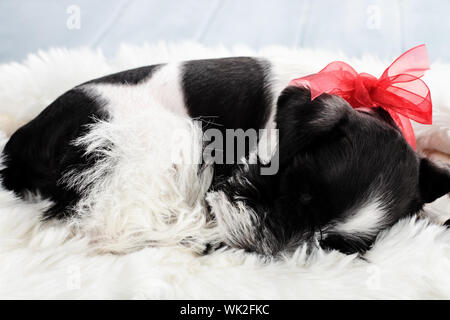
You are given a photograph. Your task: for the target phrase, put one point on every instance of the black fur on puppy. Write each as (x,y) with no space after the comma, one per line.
(344,174)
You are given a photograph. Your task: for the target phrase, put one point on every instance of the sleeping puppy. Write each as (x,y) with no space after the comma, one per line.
(333,175)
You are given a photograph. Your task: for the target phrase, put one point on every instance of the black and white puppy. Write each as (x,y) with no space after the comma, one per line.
(342,175)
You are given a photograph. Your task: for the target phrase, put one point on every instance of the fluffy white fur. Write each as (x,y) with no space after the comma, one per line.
(55,260)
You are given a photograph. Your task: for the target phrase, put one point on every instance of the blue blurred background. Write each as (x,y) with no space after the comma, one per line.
(382,27)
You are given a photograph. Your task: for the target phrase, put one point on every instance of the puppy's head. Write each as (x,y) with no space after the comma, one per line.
(344,175)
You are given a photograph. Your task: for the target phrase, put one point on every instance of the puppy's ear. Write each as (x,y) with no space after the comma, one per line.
(301,120)
(434,180)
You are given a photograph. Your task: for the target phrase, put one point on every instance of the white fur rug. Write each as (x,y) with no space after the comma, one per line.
(410,261)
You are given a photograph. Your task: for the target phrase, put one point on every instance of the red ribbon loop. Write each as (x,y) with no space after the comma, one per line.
(399,90)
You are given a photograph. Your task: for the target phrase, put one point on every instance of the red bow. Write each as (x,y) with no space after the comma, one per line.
(399,90)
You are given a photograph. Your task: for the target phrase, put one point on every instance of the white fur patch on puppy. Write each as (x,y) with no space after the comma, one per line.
(236,222)
(163,88)
(366,221)
(139,193)
(239,226)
